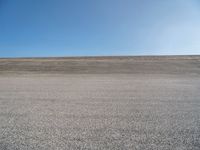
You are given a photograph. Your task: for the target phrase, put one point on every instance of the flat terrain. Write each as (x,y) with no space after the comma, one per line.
(136,103)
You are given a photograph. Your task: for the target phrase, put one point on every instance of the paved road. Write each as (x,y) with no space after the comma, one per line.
(134,109)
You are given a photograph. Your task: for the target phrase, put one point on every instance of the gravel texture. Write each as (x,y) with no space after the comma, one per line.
(136,103)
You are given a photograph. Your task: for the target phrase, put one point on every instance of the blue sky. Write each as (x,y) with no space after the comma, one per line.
(99,27)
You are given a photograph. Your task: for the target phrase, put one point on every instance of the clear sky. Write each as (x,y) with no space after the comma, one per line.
(99,27)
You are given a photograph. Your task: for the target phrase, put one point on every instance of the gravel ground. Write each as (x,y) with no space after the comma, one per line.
(112,110)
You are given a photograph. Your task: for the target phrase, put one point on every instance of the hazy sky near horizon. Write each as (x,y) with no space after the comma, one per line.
(30,28)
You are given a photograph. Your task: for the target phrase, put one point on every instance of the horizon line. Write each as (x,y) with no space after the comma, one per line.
(100,56)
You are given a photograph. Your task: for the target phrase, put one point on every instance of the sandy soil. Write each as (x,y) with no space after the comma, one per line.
(137,103)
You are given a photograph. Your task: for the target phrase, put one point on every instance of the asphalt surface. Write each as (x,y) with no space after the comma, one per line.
(136,103)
